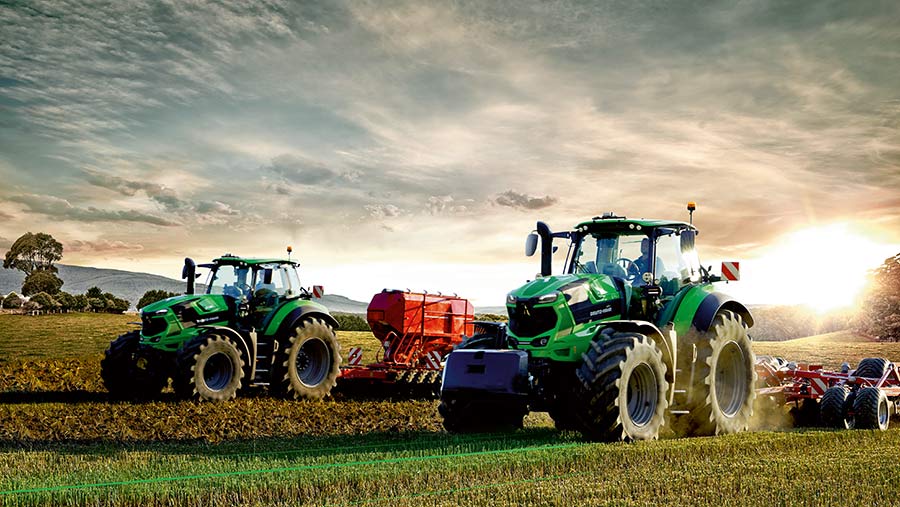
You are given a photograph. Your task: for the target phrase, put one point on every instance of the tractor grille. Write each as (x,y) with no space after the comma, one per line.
(526,321)
(153,325)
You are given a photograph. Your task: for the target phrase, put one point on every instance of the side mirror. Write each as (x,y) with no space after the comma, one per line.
(531,243)
(188,272)
(267,276)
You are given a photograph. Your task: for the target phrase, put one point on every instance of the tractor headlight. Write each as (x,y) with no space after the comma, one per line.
(510,299)
(548,298)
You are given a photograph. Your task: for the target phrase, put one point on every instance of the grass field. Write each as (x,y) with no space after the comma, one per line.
(63,443)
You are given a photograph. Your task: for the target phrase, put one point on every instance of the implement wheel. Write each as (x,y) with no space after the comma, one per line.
(209,367)
(724,388)
(310,361)
(871,367)
(623,391)
(122,374)
(872,410)
(833,408)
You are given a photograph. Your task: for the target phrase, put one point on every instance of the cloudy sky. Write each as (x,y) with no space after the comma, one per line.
(414,144)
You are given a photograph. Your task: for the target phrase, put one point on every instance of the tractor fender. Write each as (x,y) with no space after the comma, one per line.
(292,319)
(242,341)
(666,340)
(712,304)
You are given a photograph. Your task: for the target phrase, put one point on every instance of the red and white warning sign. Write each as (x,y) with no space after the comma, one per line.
(354,357)
(318,291)
(818,386)
(731,271)
(433,360)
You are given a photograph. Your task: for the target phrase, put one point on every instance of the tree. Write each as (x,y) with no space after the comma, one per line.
(33,252)
(154,295)
(41,280)
(880,314)
(44,301)
(66,301)
(81,303)
(12,301)
(96,304)
(94,292)
(117,305)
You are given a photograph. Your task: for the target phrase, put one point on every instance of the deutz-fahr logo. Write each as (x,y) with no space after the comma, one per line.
(602,311)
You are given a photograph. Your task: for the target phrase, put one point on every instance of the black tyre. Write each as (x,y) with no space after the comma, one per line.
(871,409)
(872,367)
(471,416)
(833,408)
(564,418)
(125,373)
(623,391)
(209,367)
(310,361)
(725,378)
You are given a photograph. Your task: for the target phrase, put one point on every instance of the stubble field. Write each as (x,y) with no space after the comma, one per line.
(62,442)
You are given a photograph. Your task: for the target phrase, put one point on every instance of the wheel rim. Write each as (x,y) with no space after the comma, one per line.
(313,362)
(731,379)
(642,394)
(883,413)
(217,371)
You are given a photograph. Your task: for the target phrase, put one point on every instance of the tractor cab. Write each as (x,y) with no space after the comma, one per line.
(644,253)
(260,285)
(615,268)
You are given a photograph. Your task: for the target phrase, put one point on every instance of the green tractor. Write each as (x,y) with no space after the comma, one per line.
(254,326)
(631,336)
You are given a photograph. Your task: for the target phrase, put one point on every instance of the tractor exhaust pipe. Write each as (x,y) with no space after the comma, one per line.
(188,272)
(546,235)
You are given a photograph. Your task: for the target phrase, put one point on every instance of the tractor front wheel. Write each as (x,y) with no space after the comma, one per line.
(623,392)
(121,374)
(310,361)
(209,367)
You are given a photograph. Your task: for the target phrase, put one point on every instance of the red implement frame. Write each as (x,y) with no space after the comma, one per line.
(793,383)
(416,331)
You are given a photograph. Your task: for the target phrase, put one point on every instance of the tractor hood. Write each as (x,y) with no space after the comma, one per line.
(559,304)
(170,317)
(600,287)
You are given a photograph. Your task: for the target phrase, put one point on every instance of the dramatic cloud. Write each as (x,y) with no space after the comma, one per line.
(381,211)
(101,246)
(61,209)
(514,199)
(325,123)
(158,193)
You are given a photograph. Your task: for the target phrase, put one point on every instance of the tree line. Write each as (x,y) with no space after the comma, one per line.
(35,255)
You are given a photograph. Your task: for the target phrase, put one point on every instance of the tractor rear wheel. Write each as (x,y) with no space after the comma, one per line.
(872,410)
(310,361)
(121,374)
(209,367)
(725,378)
(623,391)
(471,416)
(872,367)
(833,408)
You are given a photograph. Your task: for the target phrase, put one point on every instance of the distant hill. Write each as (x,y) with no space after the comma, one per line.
(131,285)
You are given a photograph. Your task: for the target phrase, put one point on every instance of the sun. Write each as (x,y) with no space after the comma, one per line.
(823,267)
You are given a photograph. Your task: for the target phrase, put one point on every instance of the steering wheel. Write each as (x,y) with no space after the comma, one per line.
(265,297)
(631,269)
